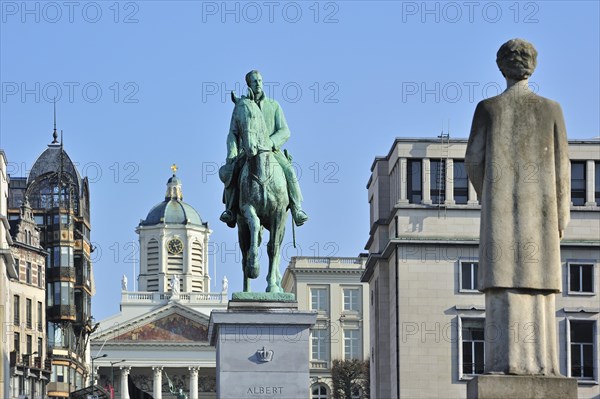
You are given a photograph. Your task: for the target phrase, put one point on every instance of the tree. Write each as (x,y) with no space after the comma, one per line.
(350,379)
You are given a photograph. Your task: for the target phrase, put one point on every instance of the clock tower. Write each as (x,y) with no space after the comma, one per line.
(173,242)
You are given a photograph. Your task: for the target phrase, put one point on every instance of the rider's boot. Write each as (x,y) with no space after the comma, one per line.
(299,216)
(228,217)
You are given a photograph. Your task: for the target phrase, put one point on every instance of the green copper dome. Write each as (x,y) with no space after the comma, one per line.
(172,210)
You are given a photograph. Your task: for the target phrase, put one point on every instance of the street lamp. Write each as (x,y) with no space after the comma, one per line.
(93,379)
(112,374)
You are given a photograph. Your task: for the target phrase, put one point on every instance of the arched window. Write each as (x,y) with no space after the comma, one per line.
(319,391)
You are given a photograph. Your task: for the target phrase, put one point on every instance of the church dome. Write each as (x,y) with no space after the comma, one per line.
(50,162)
(172,210)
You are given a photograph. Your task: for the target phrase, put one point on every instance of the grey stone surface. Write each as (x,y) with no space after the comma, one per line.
(264,296)
(518,151)
(522,387)
(262,353)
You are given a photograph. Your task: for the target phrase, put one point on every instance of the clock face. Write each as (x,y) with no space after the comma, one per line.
(175,246)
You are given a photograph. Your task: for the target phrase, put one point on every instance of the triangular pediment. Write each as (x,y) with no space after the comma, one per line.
(172,328)
(172,323)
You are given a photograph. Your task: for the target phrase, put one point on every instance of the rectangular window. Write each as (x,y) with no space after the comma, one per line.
(17,342)
(319,299)
(319,344)
(17,310)
(468,275)
(413,185)
(473,353)
(437,179)
(66,293)
(40,317)
(39,219)
(40,348)
(582,349)
(29,345)
(578,183)
(581,278)
(28,273)
(40,276)
(597,181)
(351,299)
(461,183)
(28,313)
(352,344)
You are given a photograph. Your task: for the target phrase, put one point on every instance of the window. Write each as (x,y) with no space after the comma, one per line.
(28,273)
(597,181)
(40,347)
(17,310)
(352,344)
(319,299)
(40,317)
(60,257)
(578,183)
(17,342)
(582,349)
(351,299)
(472,345)
(40,276)
(29,344)
(581,278)
(413,185)
(461,183)
(468,275)
(28,312)
(319,344)
(437,179)
(319,392)
(39,219)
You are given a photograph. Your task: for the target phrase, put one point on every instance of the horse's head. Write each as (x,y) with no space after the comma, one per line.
(251,124)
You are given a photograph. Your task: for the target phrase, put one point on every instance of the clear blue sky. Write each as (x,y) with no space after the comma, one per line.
(145,84)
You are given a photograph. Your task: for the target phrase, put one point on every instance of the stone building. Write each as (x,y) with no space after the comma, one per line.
(30,366)
(427,316)
(332,287)
(161,331)
(8,271)
(60,202)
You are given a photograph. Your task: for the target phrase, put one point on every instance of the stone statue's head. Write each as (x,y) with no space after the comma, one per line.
(254,81)
(517,59)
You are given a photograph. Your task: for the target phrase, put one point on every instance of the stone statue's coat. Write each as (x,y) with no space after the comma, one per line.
(518,163)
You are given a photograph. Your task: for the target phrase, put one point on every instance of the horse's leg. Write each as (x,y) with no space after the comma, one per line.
(277,231)
(252,266)
(244,241)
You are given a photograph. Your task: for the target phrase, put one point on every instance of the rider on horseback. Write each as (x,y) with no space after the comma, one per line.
(279,134)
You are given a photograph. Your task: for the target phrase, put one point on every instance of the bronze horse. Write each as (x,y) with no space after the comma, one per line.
(263,200)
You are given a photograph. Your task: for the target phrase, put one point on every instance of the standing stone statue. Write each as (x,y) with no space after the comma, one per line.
(124,283)
(518,162)
(175,285)
(225,284)
(279,134)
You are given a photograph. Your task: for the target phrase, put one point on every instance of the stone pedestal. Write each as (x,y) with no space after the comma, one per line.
(523,387)
(262,349)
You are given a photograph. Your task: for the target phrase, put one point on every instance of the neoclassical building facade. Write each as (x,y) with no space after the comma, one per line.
(427,316)
(158,341)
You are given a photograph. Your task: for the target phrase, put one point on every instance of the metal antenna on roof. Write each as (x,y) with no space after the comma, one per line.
(55,135)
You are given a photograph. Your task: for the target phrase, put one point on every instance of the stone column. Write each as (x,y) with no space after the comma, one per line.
(403,181)
(426,186)
(590,183)
(472,195)
(124,382)
(449,181)
(194,371)
(157,386)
